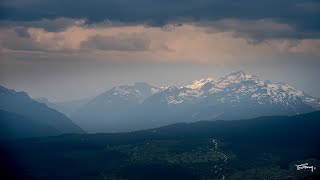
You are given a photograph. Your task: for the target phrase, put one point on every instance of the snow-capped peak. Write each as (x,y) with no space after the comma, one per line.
(235,77)
(239,76)
(138,91)
(125,92)
(291,90)
(199,83)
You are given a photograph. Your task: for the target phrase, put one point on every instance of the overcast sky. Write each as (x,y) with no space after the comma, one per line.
(65,49)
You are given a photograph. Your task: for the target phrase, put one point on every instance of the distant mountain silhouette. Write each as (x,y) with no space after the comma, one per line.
(21,109)
(66,107)
(114,109)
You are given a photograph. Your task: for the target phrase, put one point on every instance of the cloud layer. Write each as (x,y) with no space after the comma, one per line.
(49,44)
(303,16)
(188,42)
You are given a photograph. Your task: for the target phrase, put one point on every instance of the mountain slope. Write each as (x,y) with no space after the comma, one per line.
(13,126)
(113,110)
(20,103)
(67,108)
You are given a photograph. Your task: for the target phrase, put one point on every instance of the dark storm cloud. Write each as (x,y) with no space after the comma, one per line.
(20,40)
(257,31)
(302,15)
(22,32)
(122,42)
(54,25)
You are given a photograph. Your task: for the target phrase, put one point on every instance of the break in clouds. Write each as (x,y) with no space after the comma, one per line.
(169,29)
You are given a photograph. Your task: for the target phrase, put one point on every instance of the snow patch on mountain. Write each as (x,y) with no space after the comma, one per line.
(190,93)
(156,90)
(198,84)
(174,100)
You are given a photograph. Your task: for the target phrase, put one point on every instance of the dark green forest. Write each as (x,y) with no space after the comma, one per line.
(261,148)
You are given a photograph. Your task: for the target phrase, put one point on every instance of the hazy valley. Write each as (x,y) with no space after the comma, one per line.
(234,127)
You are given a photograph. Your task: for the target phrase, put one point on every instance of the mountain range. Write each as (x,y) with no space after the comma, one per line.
(238,95)
(124,108)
